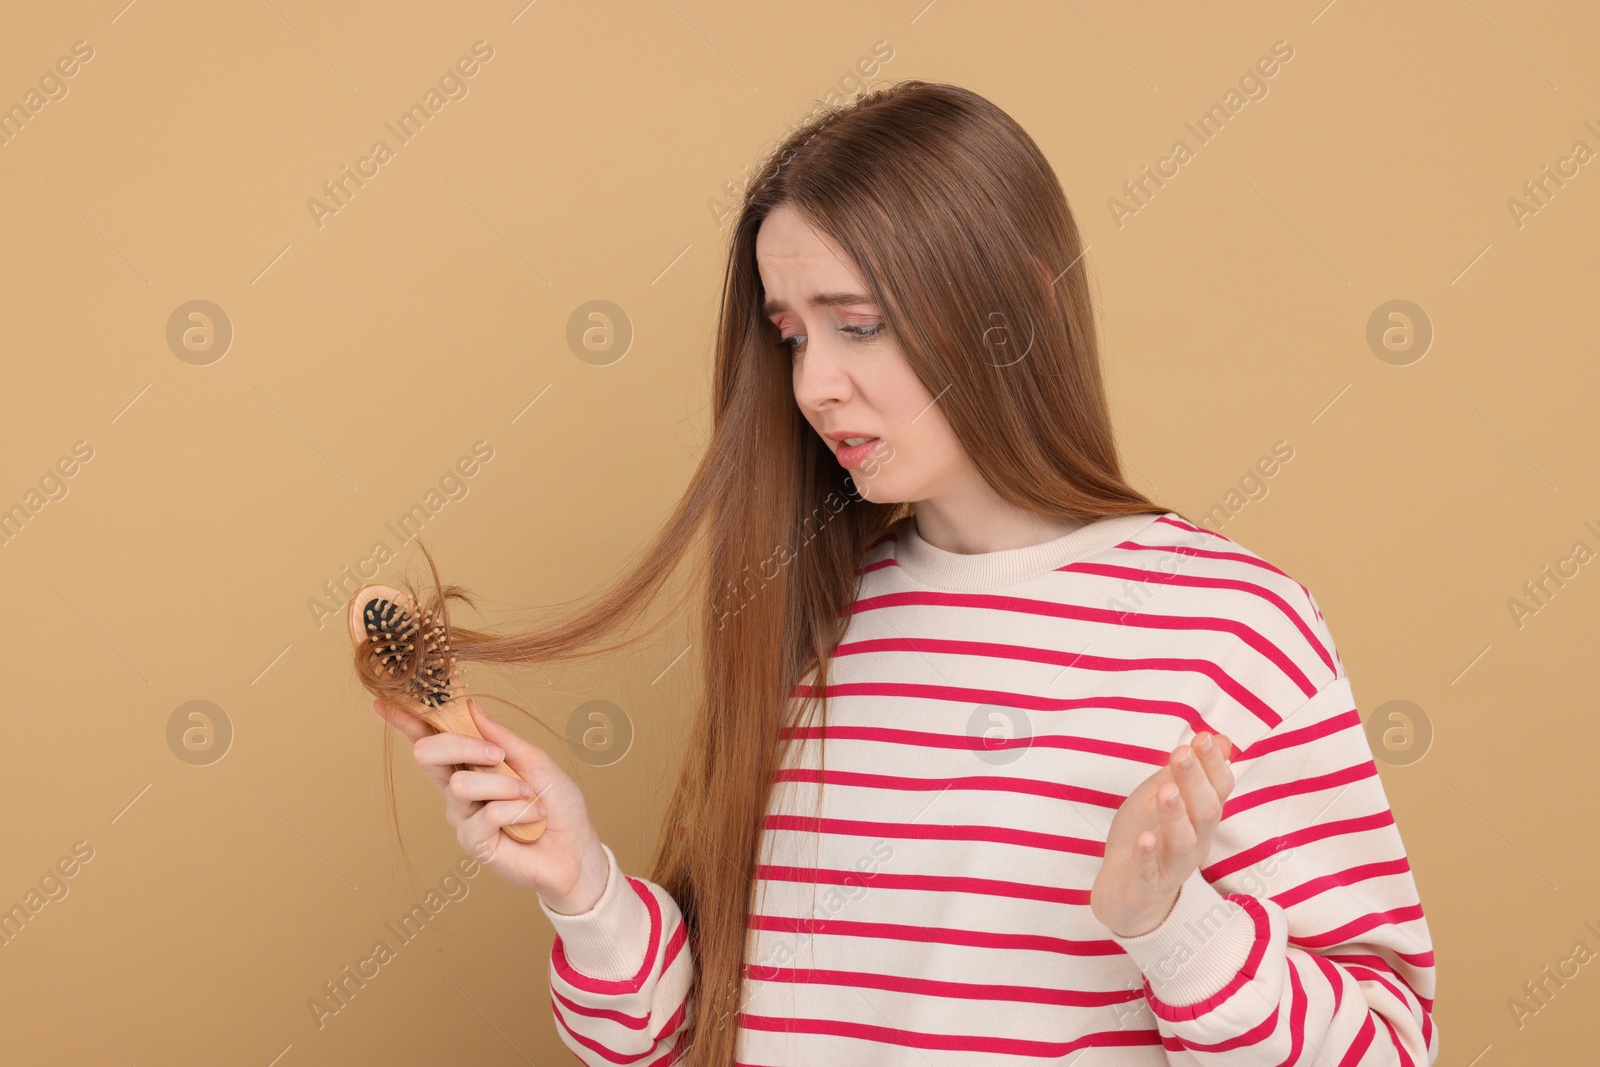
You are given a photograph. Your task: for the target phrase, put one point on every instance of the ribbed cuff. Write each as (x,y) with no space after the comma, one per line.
(1199,947)
(610,939)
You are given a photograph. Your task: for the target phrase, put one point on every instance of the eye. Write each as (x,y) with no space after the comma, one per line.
(859,333)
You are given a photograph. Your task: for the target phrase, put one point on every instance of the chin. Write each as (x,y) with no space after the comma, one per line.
(878,491)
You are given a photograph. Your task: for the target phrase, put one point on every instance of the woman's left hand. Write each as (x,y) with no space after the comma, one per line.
(1160,835)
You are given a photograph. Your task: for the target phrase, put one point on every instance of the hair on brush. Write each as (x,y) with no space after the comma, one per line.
(403,655)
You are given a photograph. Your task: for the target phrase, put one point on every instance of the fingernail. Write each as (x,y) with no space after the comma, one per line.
(1188,759)
(494,752)
(1203,742)
(524,790)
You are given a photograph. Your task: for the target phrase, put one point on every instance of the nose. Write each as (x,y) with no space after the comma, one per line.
(821,377)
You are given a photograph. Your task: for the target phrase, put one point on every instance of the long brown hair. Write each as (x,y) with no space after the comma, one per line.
(964,239)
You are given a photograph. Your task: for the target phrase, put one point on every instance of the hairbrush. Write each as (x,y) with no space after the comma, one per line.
(386,627)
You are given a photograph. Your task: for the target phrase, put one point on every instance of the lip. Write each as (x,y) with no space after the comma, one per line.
(839,436)
(850,457)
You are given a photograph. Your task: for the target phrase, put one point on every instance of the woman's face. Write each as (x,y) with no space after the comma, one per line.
(849,376)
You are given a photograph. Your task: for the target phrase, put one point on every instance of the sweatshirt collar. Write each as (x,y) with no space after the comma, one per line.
(969,571)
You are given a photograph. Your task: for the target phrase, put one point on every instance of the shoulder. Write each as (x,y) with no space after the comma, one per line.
(1273,618)
(1175,544)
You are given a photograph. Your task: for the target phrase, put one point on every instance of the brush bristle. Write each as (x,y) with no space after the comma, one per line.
(401,646)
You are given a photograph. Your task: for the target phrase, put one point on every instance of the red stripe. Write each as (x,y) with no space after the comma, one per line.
(887,735)
(974,991)
(1394,1039)
(1003,835)
(890,1035)
(1111,617)
(673,1021)
(1363,1041)
(1246,558)
(1083,661)
(1173,519)
(1195,581)
(1276,742)
(1300,787)
(579,980)
(938,935)
(1246,1039)
(928,883)
(1359,925)
(1378,963)
(964,695)
(1174,1013)
(675,944)
(1369,974)
(1348,876)
(602,1050)
(1331,972)
(1319,832)
(993,783)
(632,1022)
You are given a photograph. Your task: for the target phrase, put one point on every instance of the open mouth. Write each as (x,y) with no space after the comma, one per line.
(854,451)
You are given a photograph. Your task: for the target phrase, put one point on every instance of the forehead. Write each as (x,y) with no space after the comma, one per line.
(786,238)
(796,260)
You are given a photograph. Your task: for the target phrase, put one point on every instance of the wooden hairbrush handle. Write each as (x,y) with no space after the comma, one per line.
(452,715)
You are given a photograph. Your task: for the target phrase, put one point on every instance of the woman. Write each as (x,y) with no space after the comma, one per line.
(1094,776)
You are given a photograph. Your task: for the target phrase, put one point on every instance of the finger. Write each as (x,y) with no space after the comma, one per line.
(407,723)
(495,731)
(532,764)
(1213,758)
(479,841)
(480,834)
(1200,798)
(510,812)
(487,785)
(446,749)
(440,755)
(416,730)
(1177,833)
(1142,853)
(1214,745)
(1145,859)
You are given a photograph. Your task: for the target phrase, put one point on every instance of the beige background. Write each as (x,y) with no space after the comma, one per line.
(370,353)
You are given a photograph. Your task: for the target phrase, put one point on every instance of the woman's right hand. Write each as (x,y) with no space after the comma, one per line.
(566,866)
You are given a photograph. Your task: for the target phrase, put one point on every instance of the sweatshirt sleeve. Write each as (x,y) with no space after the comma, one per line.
(621,974)
(1301,940)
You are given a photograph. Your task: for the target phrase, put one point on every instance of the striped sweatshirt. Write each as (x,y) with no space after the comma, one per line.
(988,715)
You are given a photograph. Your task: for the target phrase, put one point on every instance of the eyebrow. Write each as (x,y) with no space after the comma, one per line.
(774,307)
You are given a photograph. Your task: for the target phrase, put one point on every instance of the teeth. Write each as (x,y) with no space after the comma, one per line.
(853,441)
